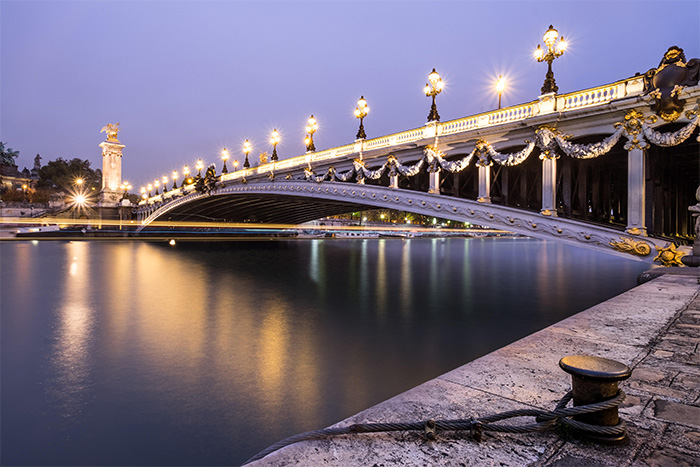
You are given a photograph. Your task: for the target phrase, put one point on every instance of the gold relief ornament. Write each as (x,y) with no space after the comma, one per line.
(111,129)
(665,83)
(631,246)
(633,128)
(482,148)
(668,256)
(545,139)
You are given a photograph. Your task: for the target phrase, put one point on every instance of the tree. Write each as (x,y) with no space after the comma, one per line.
(62,174)
(7,155)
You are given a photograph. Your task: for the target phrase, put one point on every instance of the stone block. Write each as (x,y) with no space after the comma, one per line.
(676,412)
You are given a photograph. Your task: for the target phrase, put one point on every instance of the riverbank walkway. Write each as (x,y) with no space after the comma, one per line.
(653,328)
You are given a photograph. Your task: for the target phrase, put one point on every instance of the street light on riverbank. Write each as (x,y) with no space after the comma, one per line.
(500,86)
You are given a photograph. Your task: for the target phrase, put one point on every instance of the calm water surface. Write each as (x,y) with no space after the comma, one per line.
(205,353)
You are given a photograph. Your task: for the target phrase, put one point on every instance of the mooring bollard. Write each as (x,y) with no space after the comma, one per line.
(594,379)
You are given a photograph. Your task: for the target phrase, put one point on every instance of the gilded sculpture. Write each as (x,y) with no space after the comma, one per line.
(665,83)
(111,129)
(668,256)
(634,247)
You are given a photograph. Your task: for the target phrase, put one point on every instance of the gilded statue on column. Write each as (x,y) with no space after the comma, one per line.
(111,129)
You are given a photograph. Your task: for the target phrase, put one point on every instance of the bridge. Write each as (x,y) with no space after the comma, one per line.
(613,168)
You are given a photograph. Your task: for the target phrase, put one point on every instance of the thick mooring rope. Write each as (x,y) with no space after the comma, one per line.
(544,421)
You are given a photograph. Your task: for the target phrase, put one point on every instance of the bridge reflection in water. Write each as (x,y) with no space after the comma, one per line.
(203,354)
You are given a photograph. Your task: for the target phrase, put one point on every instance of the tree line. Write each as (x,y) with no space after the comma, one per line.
(59,175)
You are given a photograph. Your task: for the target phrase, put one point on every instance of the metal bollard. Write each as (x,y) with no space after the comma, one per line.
(594,379)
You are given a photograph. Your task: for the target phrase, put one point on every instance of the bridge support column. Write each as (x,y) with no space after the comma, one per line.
(549,185)
(484,183)
(636,190)
(394,181)
(434,177)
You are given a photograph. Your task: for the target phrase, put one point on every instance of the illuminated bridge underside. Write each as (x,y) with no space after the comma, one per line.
(292,202)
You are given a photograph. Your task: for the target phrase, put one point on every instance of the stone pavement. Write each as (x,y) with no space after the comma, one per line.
(653,328)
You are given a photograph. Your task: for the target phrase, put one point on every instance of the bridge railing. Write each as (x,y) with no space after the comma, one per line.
(545,104)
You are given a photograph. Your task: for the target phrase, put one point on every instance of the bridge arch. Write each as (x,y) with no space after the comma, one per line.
(295,201)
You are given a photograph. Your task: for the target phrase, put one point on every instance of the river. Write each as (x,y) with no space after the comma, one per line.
(138,353)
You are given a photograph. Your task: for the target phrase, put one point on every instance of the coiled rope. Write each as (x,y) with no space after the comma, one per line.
(544,420)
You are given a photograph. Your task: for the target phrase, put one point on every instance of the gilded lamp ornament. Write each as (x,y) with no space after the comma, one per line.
(665,83)
(432,88)
(554,50)
(311,127)
(361,112)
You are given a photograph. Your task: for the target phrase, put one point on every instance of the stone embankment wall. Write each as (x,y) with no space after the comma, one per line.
(653,328)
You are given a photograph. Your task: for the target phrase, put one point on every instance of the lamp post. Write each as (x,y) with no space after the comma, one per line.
(361,112)
(274,140)
(186,175)
(149,187)
(554,49)
(143,193)
(432,88)
(199,166)
(500,86)
(311,128)
(126,187)
(175,179)
(246,150)
(165,183)
(156,184)
(224,156)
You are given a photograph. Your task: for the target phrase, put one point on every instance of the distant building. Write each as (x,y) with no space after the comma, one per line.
(14,179)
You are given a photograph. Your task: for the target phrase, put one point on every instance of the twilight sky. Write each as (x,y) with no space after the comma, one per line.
(187,78)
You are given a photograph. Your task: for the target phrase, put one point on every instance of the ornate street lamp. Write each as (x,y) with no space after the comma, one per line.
(175,179)
(186,175)
(224,156)
(274,140)
(165,183)
(361,112)
(126,187)
(553,51)
(432,89)
(149,187)
(156,184)
(246,150)
(235,164)
(200,166)
(143,193)
(500,86)
(311,128)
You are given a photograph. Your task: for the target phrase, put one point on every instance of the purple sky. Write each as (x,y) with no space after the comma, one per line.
(186,78)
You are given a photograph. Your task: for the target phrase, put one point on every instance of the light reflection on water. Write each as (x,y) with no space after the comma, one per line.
(71,353)
(203,354)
